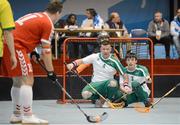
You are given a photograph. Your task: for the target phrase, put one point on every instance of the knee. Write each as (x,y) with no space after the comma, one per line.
(113,83)
(16,82)
(86,94)
(27,80)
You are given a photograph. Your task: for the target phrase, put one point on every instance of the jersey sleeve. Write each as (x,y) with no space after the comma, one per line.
(121,80)
(144,71)
(119,67)
(6,17)
(89,59)
(47,33)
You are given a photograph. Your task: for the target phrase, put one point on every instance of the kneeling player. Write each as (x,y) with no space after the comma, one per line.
(137,74)
(105,67)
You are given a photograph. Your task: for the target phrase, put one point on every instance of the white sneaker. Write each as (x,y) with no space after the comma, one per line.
(98,103)
(33,119)
(16,119)
(105,105)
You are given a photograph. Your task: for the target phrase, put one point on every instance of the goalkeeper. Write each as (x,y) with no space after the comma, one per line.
(137,74)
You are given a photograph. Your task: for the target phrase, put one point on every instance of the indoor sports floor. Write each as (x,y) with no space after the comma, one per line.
(166,112)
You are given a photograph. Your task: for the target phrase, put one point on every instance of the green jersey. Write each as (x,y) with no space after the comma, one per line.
(140,75)
(103,69)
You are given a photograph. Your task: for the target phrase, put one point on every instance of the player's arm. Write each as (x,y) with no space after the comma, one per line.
(124,86)
(46,56)
(10,42)
(146,74)
(7,24)
(87,60)
(74,64)
(122,71)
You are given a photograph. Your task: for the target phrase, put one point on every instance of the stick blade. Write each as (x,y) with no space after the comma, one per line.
(98,118)
(139,108)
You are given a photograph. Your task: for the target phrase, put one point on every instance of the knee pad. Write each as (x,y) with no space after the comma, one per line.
(112,83)
(86,94)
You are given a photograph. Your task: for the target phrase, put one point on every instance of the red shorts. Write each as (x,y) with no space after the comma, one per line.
(24,67)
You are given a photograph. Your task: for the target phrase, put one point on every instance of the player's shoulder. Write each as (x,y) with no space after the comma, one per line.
(44,20)
(114,58)
(97,55)
(94,55)
(141,67)
(4,3)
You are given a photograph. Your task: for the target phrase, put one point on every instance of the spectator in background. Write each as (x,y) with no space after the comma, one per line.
(115,22)
(59,24)
(158,32)
(71,24)
(175,31)
(6,27)
(93,21)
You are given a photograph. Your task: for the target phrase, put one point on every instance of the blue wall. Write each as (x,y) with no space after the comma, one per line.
(134,13)
(131,11)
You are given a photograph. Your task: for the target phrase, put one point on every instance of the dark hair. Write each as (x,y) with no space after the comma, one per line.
(130,54)
(103,38)
(105,43)
(54,6)
(92,11)
(68,20)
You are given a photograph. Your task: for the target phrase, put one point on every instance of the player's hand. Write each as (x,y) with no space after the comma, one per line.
(126,88)
(13,62)
(52,76)
(148,80)
(70,66)
(35,56)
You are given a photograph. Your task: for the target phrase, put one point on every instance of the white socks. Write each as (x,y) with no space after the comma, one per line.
(26,96)
(15,96)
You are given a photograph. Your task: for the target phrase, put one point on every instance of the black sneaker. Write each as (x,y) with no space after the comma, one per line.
(147,103)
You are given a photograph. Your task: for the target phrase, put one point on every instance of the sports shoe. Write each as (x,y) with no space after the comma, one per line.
(33,119)
(105,105)
(147,103)
(98,103)
(16,118)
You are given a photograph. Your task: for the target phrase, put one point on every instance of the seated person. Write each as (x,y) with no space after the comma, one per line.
(71,24)
(93,21)
(175,31)
(115,22)
(158,32)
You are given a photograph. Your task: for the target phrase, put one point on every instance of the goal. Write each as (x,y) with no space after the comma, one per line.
(140,46)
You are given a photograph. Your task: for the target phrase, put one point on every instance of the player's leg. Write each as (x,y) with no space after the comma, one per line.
(26,95)
(139,95)
(89,93)
(26,92)
(142,96)
(15,90)
(21,91)
(15,96)
(112,91)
